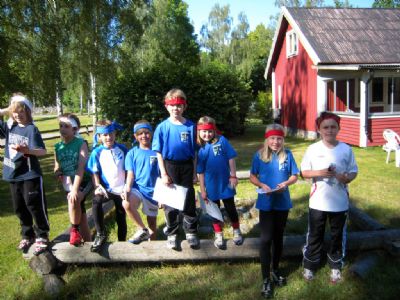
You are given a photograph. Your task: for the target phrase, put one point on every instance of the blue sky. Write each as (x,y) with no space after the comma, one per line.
(257,11)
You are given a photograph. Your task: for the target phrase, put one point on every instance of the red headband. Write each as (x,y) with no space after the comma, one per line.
(175,101)
(206,126)
(324,117)
(272,132)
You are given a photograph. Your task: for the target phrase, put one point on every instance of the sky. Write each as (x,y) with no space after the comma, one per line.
(257,11)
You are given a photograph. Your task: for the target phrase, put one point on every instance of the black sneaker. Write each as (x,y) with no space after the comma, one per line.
(267,289)
(98,243)
(278,279)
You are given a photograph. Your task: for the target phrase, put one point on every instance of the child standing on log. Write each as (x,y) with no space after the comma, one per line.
(217,176)
(142,168)
(272,171)
(175,143)
(331,166)
(21,169)
(71,155)
(106,164)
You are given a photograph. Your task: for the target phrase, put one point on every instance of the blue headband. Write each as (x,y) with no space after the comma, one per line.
(141,126)
(106,129)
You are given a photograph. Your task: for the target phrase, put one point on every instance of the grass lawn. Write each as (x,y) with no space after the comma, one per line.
(376,190)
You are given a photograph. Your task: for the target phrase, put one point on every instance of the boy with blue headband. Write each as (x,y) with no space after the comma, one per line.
(106,164)
(142,172)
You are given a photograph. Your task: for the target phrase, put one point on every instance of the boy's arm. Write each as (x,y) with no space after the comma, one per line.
(202,186)
(83,157)
(233,181)
(164,175)
(26,151)
(195,179)
(317,173)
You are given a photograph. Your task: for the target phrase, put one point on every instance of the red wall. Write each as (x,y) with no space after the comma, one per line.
(299,88)
(349,131)
(377,126)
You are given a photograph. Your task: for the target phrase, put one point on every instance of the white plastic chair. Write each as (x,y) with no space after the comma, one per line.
(392,144)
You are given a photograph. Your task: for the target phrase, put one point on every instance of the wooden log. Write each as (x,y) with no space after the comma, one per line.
(44,264)
(362,220)
(53,284)
(156,251)
(364,264)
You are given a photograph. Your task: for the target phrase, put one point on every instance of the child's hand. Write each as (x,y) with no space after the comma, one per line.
(195,179)
(233,182)
(166,179)
(265,188)
(58,174)
(100,191)
(72,197)
(282,187)
(23,148)
(204,196)
(343,177)
(328,172)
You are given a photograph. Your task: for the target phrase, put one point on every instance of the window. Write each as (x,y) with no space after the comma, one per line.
(377,90)
(292,46)
(394,90)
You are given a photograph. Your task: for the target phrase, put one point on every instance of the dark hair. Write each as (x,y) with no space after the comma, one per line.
(326,115)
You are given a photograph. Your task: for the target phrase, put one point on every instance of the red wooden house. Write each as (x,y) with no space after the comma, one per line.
(341,60)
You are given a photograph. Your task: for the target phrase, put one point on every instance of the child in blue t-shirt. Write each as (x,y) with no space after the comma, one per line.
(21,169)
(175,143)
(142,168)
(106,164)
(273,170)
(217,176)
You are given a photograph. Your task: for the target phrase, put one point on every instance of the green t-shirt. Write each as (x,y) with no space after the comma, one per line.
(67,156)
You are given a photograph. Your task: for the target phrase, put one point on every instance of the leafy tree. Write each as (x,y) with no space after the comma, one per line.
(386,4)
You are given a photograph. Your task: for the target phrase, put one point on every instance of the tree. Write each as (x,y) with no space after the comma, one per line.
(386,4)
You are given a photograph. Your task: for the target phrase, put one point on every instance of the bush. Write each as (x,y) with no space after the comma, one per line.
(264,107)
(212,89)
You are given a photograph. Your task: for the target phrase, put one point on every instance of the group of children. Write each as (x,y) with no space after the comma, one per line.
(179,152)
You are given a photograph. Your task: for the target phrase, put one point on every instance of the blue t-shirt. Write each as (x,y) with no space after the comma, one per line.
(143,164)
(272,173)
(213,161)
(16,166)
(175,142)
(109,164)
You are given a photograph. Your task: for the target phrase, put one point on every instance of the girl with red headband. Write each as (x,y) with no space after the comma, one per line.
(174,141)
(331,166)
(272,171)
(217,176)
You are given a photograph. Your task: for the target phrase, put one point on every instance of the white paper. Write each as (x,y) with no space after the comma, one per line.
(210,208)
(172,195)
(261,191)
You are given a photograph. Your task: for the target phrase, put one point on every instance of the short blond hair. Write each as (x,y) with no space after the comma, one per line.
(206,120)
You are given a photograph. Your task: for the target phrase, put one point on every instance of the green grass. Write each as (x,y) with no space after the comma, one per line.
(375,190)
(50,123)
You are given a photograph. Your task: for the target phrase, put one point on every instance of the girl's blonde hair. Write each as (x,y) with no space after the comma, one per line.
(266,152)
(175,93)
(206,120)
(19,106)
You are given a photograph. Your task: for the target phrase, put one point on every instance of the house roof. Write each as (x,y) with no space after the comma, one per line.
(342,35)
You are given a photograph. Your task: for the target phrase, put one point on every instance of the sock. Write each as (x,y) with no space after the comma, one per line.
(217,227)
(235,225)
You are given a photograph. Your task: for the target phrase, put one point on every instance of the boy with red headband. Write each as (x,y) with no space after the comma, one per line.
(174,141)
(217,176)
(272,171)
(331,166)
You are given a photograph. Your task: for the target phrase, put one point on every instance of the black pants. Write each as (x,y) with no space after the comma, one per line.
(30,206)
(120,214)
(230,207)
(272,226)
(315,238)
(181,173)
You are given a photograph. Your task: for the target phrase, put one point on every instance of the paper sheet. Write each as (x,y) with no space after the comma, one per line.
(210,208)
(261,191)
(172,195)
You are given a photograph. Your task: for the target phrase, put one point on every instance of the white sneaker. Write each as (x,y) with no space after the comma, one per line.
(193,240)
(336,276)
(140,236)
(308,274)
(172,242)
(219,240)
(237,236)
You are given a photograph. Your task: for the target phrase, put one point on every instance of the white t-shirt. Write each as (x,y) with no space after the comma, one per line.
(328,194)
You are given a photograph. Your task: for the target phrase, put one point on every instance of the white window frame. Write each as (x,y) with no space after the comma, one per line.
(292,43)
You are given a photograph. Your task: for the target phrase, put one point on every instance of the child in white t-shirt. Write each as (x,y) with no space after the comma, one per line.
(331,166)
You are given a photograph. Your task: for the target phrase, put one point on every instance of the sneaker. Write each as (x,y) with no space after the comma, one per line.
(25,244)
(336,276)
(308,274)
(41,246)
(237,237)
(278,279)
(267,289)
(219,241)
(75,237)
(172,242)
(140,236)
(193,240)
(98,243)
